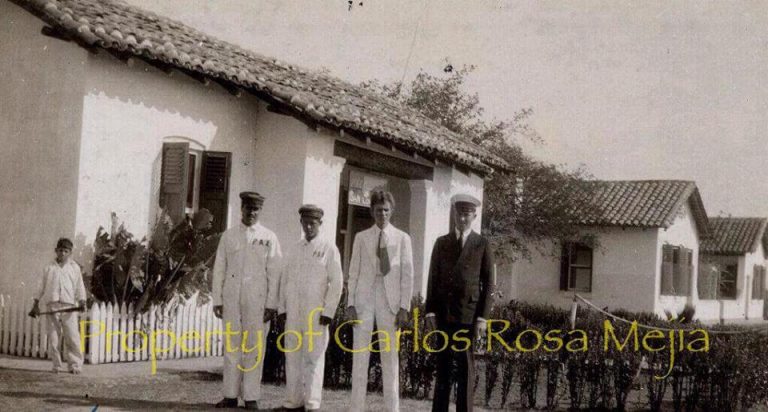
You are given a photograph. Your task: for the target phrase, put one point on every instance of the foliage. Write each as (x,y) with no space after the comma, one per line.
(173,262)
(725,378)
(530,204)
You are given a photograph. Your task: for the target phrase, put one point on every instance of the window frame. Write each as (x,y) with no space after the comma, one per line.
(570,252)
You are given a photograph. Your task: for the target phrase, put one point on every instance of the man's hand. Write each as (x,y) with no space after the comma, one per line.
(325,320)
(401,321)
(430,324)
(35,312)
(269,314)
(218,311)
(351,313)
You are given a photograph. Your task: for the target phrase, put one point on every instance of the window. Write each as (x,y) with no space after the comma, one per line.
(192,180)
(676,270)
(576,268)
(727,285)
(758,282)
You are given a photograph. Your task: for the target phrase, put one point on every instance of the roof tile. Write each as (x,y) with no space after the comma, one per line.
(642,203)
(111,24)
(735,235)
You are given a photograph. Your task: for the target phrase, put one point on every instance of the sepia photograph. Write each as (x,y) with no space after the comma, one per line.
(383,205)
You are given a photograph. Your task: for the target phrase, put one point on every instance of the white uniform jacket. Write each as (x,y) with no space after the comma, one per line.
(248,261)
(364,267)
(312,278)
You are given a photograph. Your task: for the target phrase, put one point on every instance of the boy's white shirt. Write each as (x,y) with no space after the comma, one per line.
(61,284)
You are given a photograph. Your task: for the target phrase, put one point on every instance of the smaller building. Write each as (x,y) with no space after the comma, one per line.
(645,257)
(732,270)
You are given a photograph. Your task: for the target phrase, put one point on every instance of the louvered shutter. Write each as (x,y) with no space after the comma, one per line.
(667,265)
(565,263)
(173,179)
(758,282)
(214,186)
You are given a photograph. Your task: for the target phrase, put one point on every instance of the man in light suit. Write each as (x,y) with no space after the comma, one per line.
(459,299)
(380,289)
(246,277)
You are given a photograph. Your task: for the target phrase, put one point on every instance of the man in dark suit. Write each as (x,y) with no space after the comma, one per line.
(459,296)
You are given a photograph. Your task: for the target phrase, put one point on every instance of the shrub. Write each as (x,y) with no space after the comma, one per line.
(173,262)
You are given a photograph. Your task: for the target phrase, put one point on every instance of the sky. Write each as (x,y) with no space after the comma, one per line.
(643,90)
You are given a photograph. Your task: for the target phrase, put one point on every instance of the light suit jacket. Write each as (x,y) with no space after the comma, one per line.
(363,269)
(248,267)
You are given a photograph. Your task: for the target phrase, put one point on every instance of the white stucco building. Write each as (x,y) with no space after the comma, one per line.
(107,108)
(733,266)
(646,257)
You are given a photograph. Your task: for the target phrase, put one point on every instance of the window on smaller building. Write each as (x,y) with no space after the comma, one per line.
(727,286)
(576,268)
(758,282)
(676,270)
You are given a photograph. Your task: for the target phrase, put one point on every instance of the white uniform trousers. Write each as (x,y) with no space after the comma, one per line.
(65,324)
(385,322)
(246,350)
(304,369)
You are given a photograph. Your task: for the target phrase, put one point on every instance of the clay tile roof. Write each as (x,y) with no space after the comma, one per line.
(643,203)
(735,235)
(328,101)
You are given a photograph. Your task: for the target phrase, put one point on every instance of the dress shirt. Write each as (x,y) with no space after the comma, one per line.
(465,233)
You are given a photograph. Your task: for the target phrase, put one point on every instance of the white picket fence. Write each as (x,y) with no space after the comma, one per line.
(130,335)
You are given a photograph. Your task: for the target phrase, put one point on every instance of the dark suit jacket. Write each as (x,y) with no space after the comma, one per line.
(460,281)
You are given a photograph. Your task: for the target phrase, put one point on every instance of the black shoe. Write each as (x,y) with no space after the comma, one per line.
(226,403)
(252,405)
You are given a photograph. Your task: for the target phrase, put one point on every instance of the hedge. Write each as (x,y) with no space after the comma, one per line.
(731,375)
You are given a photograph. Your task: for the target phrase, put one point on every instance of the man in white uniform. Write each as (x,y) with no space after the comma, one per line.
(61,288)
(246,277)
(380,289)
(309,294)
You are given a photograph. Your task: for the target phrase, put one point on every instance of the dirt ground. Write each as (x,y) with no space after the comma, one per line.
(179,385)
(189,384)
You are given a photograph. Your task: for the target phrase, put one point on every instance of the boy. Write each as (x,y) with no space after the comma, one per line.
(62,290)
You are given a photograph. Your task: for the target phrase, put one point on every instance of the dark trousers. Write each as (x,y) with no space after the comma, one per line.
(455,365)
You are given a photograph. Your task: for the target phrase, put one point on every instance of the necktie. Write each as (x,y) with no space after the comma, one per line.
(381,253)
(460,242)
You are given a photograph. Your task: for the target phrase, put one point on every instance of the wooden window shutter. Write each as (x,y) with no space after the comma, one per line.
(565,264)
(214,186)
(173,180)
(755,276)
(758,282)
(667,286)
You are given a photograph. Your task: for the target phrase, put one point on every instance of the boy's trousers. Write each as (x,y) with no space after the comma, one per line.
(64,327)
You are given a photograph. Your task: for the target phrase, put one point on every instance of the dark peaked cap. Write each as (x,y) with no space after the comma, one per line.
(252,198)
(311,211)
(465,200)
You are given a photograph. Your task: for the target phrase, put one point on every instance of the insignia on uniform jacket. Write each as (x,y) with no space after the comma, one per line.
(262,242)
(318,253)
